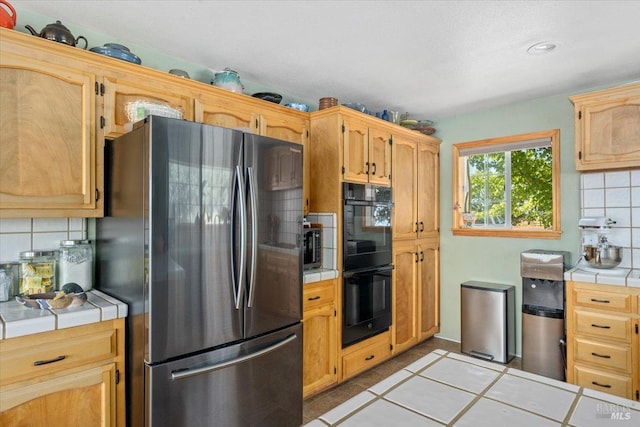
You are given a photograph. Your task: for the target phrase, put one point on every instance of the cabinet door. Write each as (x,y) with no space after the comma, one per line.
(405,261)
(428,289)
(319,362)
(405,188)
(611,134)
(218,111)
(379,157)
(356,151)
(607,128)
(119,91)
(284,127)
(428,190)
(82,398)
(49,158)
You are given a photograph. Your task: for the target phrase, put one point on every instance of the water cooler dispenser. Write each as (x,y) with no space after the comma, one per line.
(543,312)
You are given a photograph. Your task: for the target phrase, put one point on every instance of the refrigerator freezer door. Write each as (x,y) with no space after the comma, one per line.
(274,249)
(192,288)
(256,383)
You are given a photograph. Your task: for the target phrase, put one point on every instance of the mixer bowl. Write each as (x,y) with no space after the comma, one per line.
(603,257)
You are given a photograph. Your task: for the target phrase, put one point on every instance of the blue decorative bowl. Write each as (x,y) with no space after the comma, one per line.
(298,106)
(117,51)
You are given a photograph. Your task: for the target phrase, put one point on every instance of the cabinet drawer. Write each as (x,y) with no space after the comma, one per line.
(319,293)
(603,354)
(365,358)
(602,325)
(603,300)
(620,385)
(69,352)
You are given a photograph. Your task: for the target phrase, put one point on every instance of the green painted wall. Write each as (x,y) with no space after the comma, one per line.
(497,260)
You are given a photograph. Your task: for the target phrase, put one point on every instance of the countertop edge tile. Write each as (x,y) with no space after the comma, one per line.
(17,320)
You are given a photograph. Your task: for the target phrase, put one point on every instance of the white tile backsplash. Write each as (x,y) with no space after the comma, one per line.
(616,194)
(25,234)
(617,179)
(617,197)
(592,180)
(593,198)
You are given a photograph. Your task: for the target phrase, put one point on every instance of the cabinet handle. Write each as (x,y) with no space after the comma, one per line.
(421,256)
(601,385)
(601,326)
(602,301)
(367,168)
(374,168)
(604,356)
(421,226)
(416,254)
(45,362)
(369,357)
(417,227)
(313,298)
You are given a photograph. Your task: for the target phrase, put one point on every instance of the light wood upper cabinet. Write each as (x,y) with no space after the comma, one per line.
(223,111)
(367,152)
(258,117)
(119,89)
(416,165)
(50,148)
(607,128)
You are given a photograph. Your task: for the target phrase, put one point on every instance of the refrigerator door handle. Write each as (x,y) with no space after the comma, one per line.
(186,373)
(254,233)
(237,278)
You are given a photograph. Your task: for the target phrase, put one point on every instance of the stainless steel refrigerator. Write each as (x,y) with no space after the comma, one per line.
(198,223)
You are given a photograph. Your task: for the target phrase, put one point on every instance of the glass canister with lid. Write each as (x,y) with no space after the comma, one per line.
(37,272)
(8,288)
(76,263)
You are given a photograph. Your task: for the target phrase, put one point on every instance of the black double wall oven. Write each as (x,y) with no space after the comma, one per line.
(366,261)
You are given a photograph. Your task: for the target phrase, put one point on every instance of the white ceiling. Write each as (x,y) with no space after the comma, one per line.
(431,58)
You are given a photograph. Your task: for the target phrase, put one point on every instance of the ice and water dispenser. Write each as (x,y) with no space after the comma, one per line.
(543,312)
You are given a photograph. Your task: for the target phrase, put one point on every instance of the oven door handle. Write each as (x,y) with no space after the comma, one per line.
(350,274)
(351,202)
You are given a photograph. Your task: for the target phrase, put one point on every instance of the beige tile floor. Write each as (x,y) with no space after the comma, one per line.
(320,403)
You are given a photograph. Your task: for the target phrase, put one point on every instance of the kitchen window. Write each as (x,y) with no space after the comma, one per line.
(508,186)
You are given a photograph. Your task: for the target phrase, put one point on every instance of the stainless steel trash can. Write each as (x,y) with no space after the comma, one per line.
(487,320)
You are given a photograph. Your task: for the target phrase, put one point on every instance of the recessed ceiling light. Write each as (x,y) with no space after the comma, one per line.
(541,47)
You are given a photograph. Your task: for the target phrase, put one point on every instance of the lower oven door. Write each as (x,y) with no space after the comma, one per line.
(367,304)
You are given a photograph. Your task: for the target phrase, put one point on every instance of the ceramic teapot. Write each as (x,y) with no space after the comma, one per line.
(58,33)
(228,79)
(7,15)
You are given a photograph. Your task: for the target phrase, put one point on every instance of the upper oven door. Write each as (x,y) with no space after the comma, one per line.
(366,226)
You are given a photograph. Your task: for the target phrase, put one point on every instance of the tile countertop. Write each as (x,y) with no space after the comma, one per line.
(614,276)
(317,274)
(17,320)
(445,388)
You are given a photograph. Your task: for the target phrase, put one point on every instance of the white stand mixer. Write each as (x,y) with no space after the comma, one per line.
(598,255)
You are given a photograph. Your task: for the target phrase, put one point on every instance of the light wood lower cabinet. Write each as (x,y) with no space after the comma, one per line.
(415,288)
(366,354)
(320,343)
(603,344)
(66,377)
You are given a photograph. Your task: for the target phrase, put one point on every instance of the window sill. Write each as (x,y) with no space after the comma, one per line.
(492,232)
